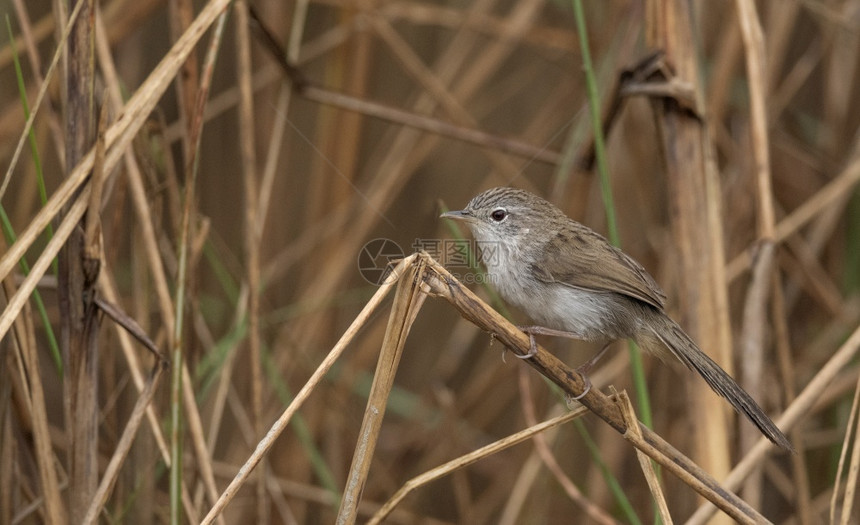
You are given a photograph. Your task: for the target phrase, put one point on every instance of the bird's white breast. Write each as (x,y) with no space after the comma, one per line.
(552,305)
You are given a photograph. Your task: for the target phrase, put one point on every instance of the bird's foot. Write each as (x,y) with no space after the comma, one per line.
(570,399)
(532,347)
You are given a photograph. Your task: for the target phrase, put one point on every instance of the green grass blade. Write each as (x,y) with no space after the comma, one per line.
(31,137)
(636,365)
(637,368)
(8,232)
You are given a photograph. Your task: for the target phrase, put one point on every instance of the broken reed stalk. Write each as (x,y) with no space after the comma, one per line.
(645,463)
(407,303)
(278,427)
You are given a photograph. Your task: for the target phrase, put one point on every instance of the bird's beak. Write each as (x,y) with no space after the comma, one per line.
(458,215)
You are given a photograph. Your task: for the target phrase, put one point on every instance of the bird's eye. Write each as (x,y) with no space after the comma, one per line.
(499,214)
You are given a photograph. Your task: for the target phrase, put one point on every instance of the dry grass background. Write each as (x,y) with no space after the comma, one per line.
(253,276)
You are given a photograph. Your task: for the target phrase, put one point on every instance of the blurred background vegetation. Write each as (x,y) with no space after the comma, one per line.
(288,186)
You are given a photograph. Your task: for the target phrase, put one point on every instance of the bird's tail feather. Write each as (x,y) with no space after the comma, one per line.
(682,347)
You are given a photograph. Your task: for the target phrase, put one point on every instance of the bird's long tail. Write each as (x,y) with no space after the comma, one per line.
(682,347)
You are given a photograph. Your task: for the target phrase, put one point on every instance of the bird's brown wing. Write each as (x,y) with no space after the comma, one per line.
(602,267)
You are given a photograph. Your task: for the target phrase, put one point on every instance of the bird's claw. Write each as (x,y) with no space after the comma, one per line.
(532,348)
(585,391)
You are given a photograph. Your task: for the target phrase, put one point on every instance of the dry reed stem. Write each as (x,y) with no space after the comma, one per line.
(795,412)
(436,86)
(852,431)
(16,302)
(278,427)
(123,447)
(139,198)
(36,66)
(754,331)
(180,15)
(751,33)
(528,472)
(276,138)
(443,284)
(752,346)
(467,459)
(154,265)
(788,369)
(108,289)
(247,145)
(198,437)
(189,247)
(645,463)
(819,203)
(279,124)
(29,362)
(430,124)
(483,402)
(225,379)
(43,89)
(799,74)
(407,303)
(696,202)
(552,38)
(76,277)
(542,448)
(118,136)
(313,493)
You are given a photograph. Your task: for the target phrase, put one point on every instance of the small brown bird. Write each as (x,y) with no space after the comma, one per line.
(576,284)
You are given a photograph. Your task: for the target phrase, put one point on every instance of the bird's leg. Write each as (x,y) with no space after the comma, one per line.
(586,367)
(583,369)
(542,330)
